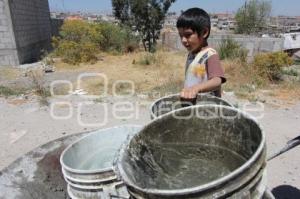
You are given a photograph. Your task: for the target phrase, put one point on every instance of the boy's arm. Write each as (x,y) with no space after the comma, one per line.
(215,79)
(210,85)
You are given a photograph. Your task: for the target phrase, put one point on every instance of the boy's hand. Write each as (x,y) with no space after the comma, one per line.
(189,93)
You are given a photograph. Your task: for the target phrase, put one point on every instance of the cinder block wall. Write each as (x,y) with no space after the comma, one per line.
(32,28)
(254,45)
(8,51)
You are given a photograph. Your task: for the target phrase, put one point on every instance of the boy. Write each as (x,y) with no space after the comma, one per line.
(203,72)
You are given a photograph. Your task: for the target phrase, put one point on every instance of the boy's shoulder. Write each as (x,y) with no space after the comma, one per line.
(206,53)
(202,55)
(210,50)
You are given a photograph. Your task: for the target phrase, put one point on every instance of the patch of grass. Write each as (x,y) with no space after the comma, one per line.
(168,88)
(230,49)
(287,91)
(296,62)
(6,91)
(145,77)
(8,73)
(145,59)
(242,74)
(243,79)
(61,90)
(290,72)
(246,91)
(173,84)
(93,85)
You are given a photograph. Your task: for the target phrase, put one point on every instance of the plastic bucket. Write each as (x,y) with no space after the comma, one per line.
(203,151)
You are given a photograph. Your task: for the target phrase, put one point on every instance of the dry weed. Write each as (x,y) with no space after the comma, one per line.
(164,73)
(37,77)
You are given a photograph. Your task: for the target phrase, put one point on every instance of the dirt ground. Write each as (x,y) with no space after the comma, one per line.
(26,124)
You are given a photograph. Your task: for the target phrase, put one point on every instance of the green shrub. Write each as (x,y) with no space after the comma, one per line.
(79,31)
(146,59)
(117,38)
(270,64)
(80,41)
(230,49)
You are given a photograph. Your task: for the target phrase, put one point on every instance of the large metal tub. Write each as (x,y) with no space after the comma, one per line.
(235,165)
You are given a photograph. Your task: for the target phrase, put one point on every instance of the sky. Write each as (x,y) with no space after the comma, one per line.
(279,7)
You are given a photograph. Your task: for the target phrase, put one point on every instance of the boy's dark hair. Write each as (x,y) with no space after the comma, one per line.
(196,19)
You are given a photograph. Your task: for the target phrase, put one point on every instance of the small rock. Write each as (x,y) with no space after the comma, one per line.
(263,100)
(48,68)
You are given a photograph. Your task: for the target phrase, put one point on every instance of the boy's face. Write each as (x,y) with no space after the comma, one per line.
(191,40)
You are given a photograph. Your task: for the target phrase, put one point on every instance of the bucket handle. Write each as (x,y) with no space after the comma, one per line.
(289,145)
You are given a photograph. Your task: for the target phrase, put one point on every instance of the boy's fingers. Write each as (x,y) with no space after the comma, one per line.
(190,95)
(182,93)
(185,94)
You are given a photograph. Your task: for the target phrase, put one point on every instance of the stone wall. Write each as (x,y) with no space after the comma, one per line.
(8,51)
(25,31)
(32,28)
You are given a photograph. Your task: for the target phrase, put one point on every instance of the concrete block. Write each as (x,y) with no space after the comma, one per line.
(6,40)
(3,28)
(3,22)
(6,34)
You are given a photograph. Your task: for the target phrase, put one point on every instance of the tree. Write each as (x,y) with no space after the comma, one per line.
(252,17)
(144,16)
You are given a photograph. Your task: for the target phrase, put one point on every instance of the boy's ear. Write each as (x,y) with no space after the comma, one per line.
(205,33)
